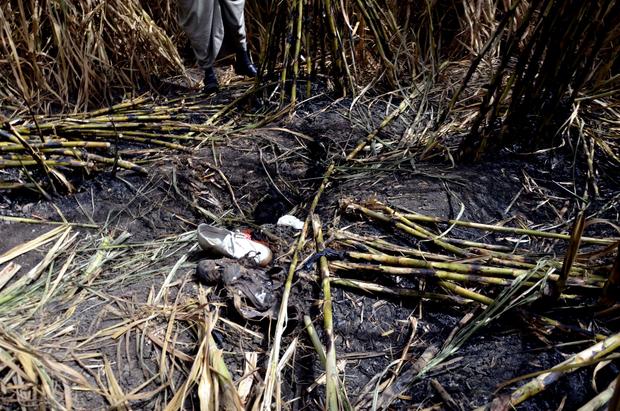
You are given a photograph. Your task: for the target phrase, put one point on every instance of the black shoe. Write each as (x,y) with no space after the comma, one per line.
(211,84)
(244,66)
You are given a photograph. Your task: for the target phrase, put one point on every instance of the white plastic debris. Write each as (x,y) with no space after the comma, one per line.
(232,244)
(291,221)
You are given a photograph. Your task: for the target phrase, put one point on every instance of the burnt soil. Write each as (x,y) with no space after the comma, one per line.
(272,173)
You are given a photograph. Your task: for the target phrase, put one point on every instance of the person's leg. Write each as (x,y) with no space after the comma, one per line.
(196,19)
(202,21)
(233,17)
(234,21)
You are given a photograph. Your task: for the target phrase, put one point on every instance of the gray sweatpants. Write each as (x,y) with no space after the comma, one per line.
(205,21)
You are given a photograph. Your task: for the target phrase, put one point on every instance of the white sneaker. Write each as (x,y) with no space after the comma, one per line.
(232,244)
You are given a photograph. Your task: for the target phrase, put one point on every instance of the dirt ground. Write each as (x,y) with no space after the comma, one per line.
(273,172)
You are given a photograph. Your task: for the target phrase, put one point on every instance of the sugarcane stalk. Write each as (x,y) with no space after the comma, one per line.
(285,58)
(92,159)
(309,61)
(155,142)
(448,266)
(251,91)
(507,260)
(135,136)
(421,272)
(51,144)
(127,165)
(5,185)
(544,380)
(26,220)
(407,227)
(598,402)
(38,159)
(10,137)
(379,44)
(85,126)
(614,402)
(318,347)
(571,254)
(477,245)
(492,260)
(398,292)
(566,328)
(121,118)
(338,57)
(383,245)
(297,50)
(394,214)
(48,163)
(330,364)
(144,134)
(466,293)
(517,263)
(526,261)
(119,106)
(316,341)
(509,230)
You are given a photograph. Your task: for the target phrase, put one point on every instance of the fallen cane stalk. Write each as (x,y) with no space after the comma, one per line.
(508,230)
(408,227)
(556,324)
(320,350)
(383,245)
(118,107)
(397,292)
(37,158)
(466,293)
(444,274)
(522,261)
(488,257)
(49,163)
(94,158)
(314,338)
(598,402)
(614,402)
(484,246)
(330,363)
(544,380)
(56,144)
(448,266)
(45,222)
(435,239)
(421,272)
(571,254)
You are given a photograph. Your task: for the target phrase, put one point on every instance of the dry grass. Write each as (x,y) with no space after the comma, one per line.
(59,366)
(61,55)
